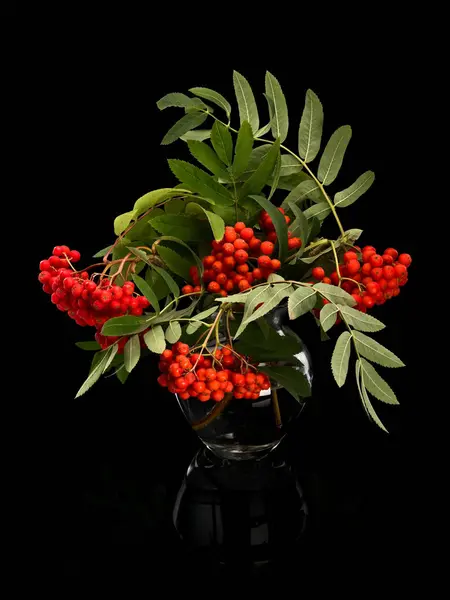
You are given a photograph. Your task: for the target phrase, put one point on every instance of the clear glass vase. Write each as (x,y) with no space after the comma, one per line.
(241,429)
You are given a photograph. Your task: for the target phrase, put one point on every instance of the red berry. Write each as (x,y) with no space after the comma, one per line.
(128,288)
(182,348)
(175,370)
(272,237)
(326,280)
(318,273)
(242,269)
(373,288)
(383,284)
(368,301)
(213,385)
(240,244)
(377,273)
(77,290)
(68,283)
(400,270)
(45,265)
(334,278)
(392,252)
(264,262)
(210,374)
(267,248)
(222,278)
(229,262)
(243,285)
(241,256)
(228,249)
(376,260)
(353,266)
(239,226)
(214,287)
(199,387)
(74,256)
(357,297)
(388,272)
(257,273)
(187,289)
(348,256)
(254,244)
(366,268)
(162,380)
(217,396)
(247,234)
(230,234)
(387,259)
(238,379)
(217,266)
(294,243)
(369,249)
(57,251)
(405,259)
(366,254)
(208,261)
(392,284)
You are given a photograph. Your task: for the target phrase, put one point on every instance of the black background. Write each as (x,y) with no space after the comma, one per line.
(108,465)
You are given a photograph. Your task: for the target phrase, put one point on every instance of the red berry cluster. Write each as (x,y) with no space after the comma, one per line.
(240,258)
(209,378)
(380,277)
(85,301)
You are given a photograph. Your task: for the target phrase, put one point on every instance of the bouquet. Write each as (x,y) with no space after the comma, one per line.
(195,268)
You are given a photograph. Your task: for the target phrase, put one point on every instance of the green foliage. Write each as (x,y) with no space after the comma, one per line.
(248,111)
(145,289)
(88,345)
(357,189)
(305,189)
(132,353)
(216,222)
(208,158)
(365,398)
(340,358)
(176,99)
(100,363)
(122,221)
(126,325)
(299,227)
(262,343)
(173,332)
(189,121)
(359,320)
(222,142)
(270,298)
(196,134)
(255,183)
(214,97)
(154,338)
(289,165)
(174,261)
(319,211)
(186,227)
(291,379)
(200,182)
(279,223)
(328,316)
(301,301)
(333,155)
(310,131)
(336,294)
(244,145)
(280,119)
(375,352)
(375,384)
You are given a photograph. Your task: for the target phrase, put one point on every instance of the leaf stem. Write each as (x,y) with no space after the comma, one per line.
(276,408)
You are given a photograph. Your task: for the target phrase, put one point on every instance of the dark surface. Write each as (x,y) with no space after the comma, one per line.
(108,465)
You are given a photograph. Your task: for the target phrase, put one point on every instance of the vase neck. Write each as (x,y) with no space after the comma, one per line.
(278,316)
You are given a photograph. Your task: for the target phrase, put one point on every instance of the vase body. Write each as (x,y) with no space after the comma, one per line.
(241,429)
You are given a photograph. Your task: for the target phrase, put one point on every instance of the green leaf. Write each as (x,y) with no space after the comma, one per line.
(259,178)
(310,132)
(320,211)
(299,227)
(214,97)
(175,206)
(328,316)
(335,294)
(375,351)
(205,313)
(174,261)
(189,121)
(280,120)
(196,134)
(244,145)
(122,221)
(359,320)
(173,332)
(186,227)
(222,142)
(193,326)
(314,229)
(258,295)
(148,200)
(122,374)
(199,181)
(132,353)
(291,379)
(375,384)
(208,158)
(290,182)
(217,223)
(88,345)
(198,262)
(147,291)
(171,283)
(271,299)
(365,399)
(340,358)
(173,315)
(301,301)
(257,155)
(100,363)
(333,155)
(154,338)
(262,131)
(279,223)
(175,99)
(103,252)
(352,193)
(126,325)
(289,165)
(275,177)
(157,283)
(234,298)
(262,343)
(248,111)
(305,189)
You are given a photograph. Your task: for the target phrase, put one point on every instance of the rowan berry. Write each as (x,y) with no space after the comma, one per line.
(318,273)
(243,285)
(214,287)
(392,252)
(264,262)
(400,270)
(353,266)
(267,248)
(230,234)
(350,255)
(388,272)
(187,289)
(405,259)
(376,260)
(368,301)
(241,256)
